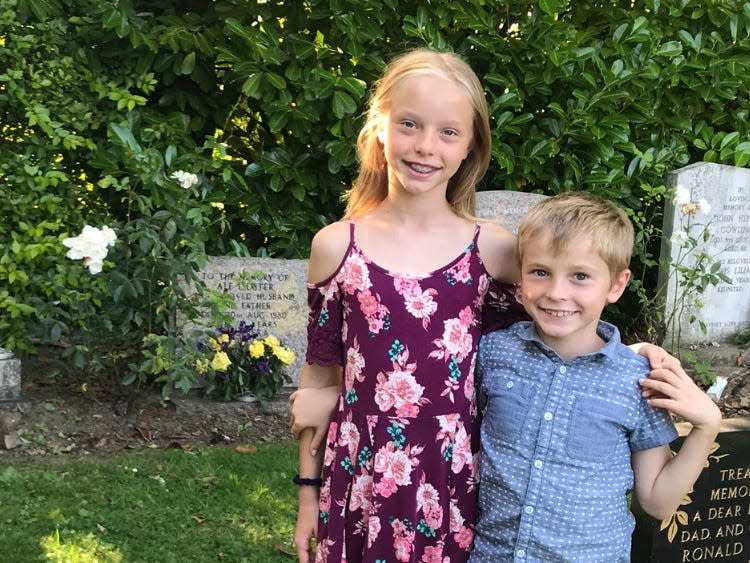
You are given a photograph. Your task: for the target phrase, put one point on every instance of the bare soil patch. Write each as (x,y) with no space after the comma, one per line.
(74,419)
(58,418)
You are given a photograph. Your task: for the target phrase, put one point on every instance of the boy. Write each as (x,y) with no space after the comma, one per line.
(567,433)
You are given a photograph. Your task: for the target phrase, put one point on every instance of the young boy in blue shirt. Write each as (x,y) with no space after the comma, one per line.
(572,420)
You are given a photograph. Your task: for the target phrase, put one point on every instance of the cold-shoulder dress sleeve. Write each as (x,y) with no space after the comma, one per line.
(501,307)
(324,324)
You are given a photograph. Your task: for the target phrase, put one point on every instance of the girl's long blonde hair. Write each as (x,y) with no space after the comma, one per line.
(371,185)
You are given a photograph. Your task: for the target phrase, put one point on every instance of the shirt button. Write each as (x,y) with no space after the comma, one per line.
(529,510)
(563,369)
(509,385)
(538,464)
(521,553)
(548,416)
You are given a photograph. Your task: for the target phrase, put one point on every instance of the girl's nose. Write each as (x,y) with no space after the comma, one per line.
(424,143)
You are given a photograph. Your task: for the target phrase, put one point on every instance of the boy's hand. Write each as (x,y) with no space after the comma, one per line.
(678,393)
(311,407)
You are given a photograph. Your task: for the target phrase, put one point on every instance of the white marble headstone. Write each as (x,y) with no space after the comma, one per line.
(726,307)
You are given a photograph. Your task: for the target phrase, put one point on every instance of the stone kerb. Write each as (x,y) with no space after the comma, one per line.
(505,207)
(726,307)
(10,378)
(272,295)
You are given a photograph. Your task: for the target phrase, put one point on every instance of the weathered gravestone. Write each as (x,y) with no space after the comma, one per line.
(505,207)
(713,522)
(726,307)
(10,379)
(271,293)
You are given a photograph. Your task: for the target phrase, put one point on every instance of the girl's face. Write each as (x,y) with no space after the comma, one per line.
(426,133)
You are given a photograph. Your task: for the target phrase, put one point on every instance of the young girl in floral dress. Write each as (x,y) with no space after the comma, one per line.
(396,291)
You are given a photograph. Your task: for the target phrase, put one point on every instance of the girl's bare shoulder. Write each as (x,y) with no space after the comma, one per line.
(329,245)
(497,246)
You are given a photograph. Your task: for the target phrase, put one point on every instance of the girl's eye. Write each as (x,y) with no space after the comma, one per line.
(408,124)
(450,132)
(539,273)
(580,276)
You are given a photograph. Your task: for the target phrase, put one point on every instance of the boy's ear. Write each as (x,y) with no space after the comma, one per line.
(618,286)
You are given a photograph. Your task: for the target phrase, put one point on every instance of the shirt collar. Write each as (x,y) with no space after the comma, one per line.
(606,331)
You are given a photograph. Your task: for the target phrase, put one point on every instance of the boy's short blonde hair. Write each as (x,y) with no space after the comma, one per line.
(571,214)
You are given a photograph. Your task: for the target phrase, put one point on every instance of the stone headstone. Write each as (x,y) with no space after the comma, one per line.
(726,307)
(506,207)
(713,522)
(10,379)
(269,292)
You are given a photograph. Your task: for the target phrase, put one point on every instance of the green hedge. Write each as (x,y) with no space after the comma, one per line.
(102,101)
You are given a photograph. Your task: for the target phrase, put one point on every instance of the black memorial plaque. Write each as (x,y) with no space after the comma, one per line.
(712,525)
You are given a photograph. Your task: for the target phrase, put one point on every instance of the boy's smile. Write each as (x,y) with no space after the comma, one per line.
(565,292)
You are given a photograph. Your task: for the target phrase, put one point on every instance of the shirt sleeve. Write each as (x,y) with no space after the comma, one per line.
(501,307)
(656,429)
(324,325)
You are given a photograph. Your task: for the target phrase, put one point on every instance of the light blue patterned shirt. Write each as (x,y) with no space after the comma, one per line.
(556,443)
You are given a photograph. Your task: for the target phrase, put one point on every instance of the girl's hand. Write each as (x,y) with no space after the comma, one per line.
(311,407)
(307,524)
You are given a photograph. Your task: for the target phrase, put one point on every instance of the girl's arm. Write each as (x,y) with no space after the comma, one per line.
(313,378)
(661,480)
(326,252)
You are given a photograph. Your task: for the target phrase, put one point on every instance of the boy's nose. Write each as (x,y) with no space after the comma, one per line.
(557,289)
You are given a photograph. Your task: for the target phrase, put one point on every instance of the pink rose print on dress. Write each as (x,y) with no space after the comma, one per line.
(355,275)
(457,341)
(330,453)
(361,493)
(373,530)
(400,390)
(434,554)
(394,464)
(428,501)
(462,454)
(349,436)
(403,539)
(419,303)
(325,496)
(460,272)
(355,362)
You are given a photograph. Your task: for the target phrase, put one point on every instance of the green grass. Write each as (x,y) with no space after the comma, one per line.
(159,506)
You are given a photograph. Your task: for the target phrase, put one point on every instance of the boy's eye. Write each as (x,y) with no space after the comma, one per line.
(450,132)
(408,124)
(539,273)
(580,276)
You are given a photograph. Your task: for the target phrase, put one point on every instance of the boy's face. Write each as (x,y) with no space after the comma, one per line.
(565,292)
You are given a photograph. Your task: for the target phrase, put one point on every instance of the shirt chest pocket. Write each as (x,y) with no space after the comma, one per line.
(596,429)
(508,403)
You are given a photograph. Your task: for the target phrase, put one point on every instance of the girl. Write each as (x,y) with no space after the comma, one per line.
(396,291)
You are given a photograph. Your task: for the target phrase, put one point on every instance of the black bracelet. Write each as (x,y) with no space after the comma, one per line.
(317,482)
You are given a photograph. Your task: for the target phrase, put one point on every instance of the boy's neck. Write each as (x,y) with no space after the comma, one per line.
(570,347)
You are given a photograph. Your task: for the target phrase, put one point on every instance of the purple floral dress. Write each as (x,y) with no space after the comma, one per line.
(399,474)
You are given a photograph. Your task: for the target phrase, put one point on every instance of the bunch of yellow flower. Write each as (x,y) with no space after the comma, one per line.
(238,362)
